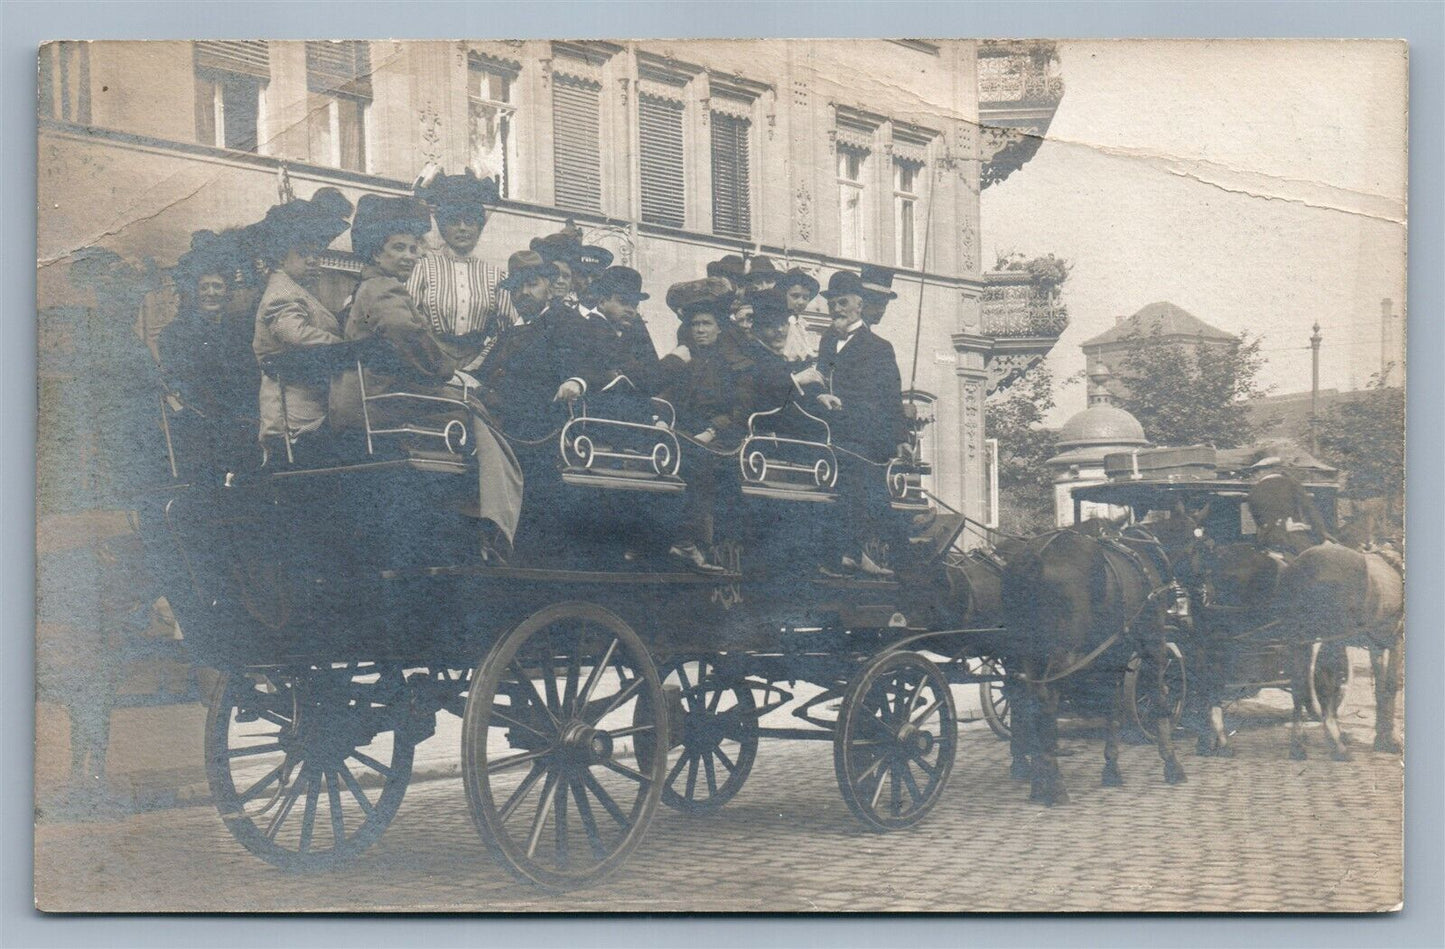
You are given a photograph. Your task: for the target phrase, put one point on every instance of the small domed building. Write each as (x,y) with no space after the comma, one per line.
(1083,442)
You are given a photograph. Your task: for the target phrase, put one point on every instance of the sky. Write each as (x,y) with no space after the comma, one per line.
(1258,185)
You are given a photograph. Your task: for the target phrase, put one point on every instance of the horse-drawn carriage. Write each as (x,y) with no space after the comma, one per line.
(345,604)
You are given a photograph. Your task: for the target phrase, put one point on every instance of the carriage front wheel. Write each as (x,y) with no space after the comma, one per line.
(719,742)
(1141,696)
(993,700)
(308,766)
(895,740)
(560,741)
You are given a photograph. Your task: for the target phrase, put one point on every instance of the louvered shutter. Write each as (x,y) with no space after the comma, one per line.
(731,212)
(245,57)
(339,67)
(577,143)
(660,128)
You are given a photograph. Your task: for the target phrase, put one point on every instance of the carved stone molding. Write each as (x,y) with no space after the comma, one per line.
(803,214)
(431,135)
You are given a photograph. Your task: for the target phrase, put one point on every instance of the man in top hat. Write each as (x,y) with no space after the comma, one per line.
(289,315)
(878,291)
(863,402)
(708,380)
(459,294)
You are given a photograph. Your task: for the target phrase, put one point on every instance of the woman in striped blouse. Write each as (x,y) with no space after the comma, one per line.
(457,292)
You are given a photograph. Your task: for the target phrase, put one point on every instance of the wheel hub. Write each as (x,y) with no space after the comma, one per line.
(583,743)
(915,739)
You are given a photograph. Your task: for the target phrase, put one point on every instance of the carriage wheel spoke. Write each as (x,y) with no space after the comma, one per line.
(516,761)
(630,730)
(354,787)
(623,695)
(727,762)
(711,772)
(691,776)
(676,769)
(918,693)
(525,680)
(877,790)
(559,825)
(549,684)
(589,823)
(716,700)
(596,674)
(262,784)
(275,718)
(253,750)
(878,762)
(308,816)
(511,722)
(284,811)
(928,769)
(895,794)
(549,791)
(515,800)
(333,801)
(932,707)
(371,763)
(574,677)
(909,782)
(625,771)
(605,799)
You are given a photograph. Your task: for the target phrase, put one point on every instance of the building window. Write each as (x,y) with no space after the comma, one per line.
(731,187)
(659,123)
(231,79)
(852,202)
(338,78)
(906,221)
(64,82)
(491,123)
(577,143)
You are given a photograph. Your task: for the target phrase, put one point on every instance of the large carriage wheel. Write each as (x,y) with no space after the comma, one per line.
(560,744)
(308,767)
(1141,699)
(719,739)
(895,740)
(993,701)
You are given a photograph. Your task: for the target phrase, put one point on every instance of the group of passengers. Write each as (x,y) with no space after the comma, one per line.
(520,345)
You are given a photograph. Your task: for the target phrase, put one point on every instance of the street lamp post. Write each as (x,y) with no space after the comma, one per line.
(1315,340)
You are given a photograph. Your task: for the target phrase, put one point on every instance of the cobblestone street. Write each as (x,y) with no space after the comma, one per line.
(1254,833)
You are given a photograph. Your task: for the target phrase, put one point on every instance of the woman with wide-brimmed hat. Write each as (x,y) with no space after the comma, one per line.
(386,235)
(294,235)
(209,368)
(460,294)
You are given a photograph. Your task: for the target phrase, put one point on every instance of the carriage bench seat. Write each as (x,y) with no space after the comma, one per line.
(619,439)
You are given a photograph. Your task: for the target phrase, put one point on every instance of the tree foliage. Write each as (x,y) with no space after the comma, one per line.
(1192,394)
(1015,417)
(1365,439)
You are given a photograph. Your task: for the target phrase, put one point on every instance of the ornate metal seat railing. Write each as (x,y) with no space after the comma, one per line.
(433,428)
(620,439)
(788,454)
(905,484)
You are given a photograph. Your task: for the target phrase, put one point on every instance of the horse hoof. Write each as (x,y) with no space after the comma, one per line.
(1388,745)
(1340,754)
(1224,751)
(1175,775)
(1112,778)
(1020,770)
(1298,754)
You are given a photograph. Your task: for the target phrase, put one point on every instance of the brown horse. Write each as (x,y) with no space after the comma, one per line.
(1079,608)
(1331,597)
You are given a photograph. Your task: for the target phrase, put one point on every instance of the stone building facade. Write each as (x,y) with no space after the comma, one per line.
(822,155)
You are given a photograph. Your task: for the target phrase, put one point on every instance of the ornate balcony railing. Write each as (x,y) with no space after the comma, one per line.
(1019,89)
(1015,306)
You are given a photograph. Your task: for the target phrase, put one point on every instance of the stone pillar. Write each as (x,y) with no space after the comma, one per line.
(972,373)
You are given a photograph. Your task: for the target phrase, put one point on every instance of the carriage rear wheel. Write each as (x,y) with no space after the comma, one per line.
(331,740)
(560,741)
(993,700)
(894,744)
(1141,698)
(719,739)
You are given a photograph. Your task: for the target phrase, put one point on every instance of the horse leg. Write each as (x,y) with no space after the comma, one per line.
(1299,692)
(1207,700)
(1332,673)
(1164,725)
(1020,728)
(1222,747)
(1385,664)
(1048,784)
(1112,778)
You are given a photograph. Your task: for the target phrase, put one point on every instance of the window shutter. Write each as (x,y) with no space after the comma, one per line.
(731,213)
(339,67)
(660,128)
(245,57)
(576,148)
